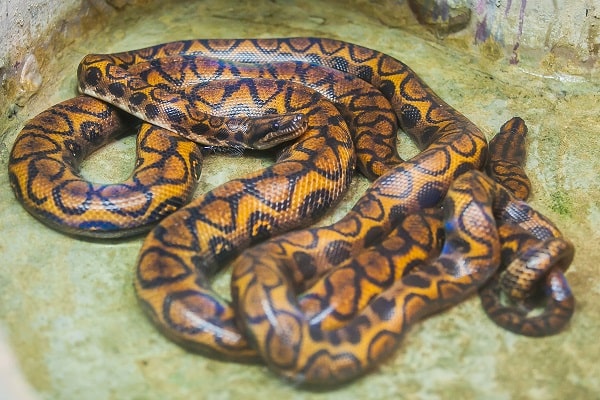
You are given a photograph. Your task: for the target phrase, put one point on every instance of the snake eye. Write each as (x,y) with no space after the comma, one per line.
(275,126)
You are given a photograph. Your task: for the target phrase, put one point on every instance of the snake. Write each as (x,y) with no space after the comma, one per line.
(186,249)
(534,256)
(348,322)
(336,298)
(44,164)
(181,57)
(182,253)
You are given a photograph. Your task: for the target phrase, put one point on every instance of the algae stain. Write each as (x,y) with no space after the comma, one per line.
(491,49)
(561,203)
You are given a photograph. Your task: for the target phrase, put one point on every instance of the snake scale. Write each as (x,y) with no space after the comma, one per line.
(322,104)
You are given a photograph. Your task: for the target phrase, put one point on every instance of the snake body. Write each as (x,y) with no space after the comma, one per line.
(43,171)
(333,300)
(183,251)
(374,133)
(212,118)
(393,259)
(359,312)
(44,165)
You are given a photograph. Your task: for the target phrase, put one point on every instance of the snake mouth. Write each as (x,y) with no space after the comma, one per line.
(271,130)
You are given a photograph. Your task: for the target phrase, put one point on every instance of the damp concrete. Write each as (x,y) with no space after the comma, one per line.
(68,309)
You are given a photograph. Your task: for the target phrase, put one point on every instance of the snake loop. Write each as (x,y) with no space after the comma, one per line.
(534,255)
(44,162)
(531,276)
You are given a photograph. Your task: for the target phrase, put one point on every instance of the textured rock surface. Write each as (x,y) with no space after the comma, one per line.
(68,308)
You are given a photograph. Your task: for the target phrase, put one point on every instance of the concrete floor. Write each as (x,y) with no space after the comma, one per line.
(68,308)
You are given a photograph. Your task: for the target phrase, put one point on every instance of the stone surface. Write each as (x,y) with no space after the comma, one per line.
(69,311)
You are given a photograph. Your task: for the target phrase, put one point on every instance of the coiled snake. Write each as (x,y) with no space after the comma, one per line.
(354,317)
(175,264)
(171,87)
(336,298)
(44,162)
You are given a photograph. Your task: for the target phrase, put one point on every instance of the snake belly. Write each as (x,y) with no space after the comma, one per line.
(180,255)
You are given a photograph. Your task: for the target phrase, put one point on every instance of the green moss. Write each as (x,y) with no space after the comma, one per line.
(561,203)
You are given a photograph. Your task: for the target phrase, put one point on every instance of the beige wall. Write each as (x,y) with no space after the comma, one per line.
(548,37)
(571,27)
(568,29)
(25,21)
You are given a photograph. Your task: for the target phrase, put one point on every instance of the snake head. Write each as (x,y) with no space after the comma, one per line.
(268,131)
